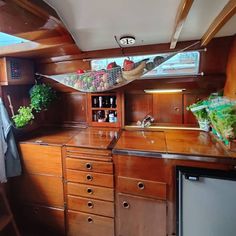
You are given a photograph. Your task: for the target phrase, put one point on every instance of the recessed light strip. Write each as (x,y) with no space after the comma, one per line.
(164,90)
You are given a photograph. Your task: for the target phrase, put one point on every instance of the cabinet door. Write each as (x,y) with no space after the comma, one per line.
(137,216)
(168,108)
(189,99)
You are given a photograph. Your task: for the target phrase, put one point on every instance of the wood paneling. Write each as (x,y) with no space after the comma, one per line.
(137,106)
(39,189)
(47,220)
(230,85)
(37,159)
(168,108)
(63,67)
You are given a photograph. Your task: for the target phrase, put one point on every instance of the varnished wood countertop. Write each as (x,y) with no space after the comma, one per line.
(101,138)
(50,136)
(170,142)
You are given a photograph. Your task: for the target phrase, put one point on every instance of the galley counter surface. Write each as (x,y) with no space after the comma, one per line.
(176,144)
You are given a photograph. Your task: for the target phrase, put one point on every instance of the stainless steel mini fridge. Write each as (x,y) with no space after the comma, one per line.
(206,202)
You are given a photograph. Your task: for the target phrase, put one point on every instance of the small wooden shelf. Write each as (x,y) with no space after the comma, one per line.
(4,221)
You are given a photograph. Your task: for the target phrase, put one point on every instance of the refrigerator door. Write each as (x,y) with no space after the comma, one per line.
(207,206)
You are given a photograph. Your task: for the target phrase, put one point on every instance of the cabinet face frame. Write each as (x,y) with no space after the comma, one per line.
(118,109)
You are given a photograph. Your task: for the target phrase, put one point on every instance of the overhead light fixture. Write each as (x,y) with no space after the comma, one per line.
(164,90)
(127,40)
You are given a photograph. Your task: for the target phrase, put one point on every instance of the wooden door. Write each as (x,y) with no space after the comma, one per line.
(168,108)
(138,216)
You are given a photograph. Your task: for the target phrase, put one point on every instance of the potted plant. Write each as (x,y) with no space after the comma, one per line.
(201,114)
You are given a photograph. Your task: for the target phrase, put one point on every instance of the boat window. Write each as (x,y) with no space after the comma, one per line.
(183,63)
(7,39)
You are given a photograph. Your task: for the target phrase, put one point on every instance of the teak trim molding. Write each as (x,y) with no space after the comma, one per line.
(228,11)
(181,16)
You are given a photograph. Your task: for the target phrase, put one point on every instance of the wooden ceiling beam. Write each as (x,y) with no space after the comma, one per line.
(228,11)
(181,17)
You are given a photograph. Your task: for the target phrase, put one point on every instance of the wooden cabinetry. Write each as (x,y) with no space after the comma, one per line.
(139,216)
(90,193)
(104,109)
(38,193)
(141,203)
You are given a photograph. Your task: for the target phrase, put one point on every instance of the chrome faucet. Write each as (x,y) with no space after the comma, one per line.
(146,122)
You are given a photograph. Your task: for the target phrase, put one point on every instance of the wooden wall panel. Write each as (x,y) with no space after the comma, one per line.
(69,109)
(137,106)
(230,85)
(63,67)
(168,108)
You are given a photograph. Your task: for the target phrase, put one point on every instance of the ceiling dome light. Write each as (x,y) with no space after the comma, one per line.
(127,40)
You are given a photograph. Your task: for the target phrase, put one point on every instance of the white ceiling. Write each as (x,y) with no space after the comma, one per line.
(93,24)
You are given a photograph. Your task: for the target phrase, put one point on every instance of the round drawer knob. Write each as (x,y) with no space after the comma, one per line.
(177,109)
(89,177)
(90,219)
(140,185)
(90,204)
(89,191)
(125,204)
(88,166)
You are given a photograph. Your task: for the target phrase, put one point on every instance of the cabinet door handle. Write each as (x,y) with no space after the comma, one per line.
(141,185)
(89,166)
(90,204)
(89,191)
(177,109)
(90,219)
(125,204)
(89,177)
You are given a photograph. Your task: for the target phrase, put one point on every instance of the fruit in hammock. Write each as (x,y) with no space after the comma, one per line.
(80,71)
(136,72)
(111,65)
(128,65)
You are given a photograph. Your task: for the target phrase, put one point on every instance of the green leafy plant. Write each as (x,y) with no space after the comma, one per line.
(41,96)
(24,116)
(199,111)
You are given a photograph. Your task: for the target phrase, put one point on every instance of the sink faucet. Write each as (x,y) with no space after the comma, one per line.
(146,122)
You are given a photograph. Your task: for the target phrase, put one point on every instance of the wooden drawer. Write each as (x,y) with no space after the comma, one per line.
(88,153)
(38,189)
(90,191)
(154,169)
(37,219)
(142,187)
(39,159)
(91,206)
(89,165)
(90,178)
(82,224)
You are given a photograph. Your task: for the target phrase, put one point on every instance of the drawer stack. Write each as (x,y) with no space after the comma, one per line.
(90,192)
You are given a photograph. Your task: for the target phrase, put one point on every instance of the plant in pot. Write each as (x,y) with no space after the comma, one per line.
(199,111)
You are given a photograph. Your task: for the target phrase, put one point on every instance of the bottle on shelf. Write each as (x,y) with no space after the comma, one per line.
(95,102)
(100,102)
(111,117)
